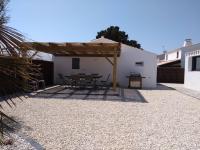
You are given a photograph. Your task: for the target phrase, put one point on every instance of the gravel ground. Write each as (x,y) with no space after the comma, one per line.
(169,120)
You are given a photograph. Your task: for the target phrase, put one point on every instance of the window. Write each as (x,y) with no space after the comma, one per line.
(196,63)
(75,63)
(140,63)
(177,55)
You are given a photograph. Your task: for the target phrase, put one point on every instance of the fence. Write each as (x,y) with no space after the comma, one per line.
(47,70)
(170,75)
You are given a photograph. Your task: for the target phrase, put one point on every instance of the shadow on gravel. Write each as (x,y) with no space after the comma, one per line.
(160,87)
(13,125)
(120,95)
(10,99)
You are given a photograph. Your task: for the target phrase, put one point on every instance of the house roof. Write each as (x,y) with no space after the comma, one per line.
(77,49)
(105,40)
(174,50)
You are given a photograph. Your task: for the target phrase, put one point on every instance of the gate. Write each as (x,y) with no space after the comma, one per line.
(170,75)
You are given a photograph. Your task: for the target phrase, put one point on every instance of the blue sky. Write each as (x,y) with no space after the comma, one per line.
(153,23)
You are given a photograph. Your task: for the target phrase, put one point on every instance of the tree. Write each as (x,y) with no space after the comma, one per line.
(114,33)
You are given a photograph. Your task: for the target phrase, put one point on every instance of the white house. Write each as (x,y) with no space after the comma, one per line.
(192,70)
(188,49)
(177,54)
(131,60)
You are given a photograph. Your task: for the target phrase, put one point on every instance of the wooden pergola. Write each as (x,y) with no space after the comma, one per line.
(106,50)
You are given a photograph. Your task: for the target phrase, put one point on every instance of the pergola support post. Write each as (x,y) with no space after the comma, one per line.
(115,70)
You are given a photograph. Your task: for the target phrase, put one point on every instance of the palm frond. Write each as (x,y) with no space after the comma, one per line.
(16,67)
(11,42)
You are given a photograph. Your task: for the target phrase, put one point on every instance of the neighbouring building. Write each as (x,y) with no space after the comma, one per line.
(171,64)
(192,70)
(177,56)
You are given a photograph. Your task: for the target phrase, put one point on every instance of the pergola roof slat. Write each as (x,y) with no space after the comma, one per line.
(78,49)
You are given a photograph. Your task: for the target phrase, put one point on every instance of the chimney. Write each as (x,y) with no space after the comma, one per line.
(187,42)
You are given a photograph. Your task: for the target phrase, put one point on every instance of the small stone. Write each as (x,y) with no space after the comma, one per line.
(8,142)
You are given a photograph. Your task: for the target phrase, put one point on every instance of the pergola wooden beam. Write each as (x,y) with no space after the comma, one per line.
(85,55)
(82,50)
(72,48)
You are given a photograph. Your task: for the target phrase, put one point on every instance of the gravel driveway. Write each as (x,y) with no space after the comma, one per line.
(168,120)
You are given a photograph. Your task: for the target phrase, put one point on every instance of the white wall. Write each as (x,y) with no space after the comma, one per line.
(88,65)
(129,56)
(173,55)
(126,65)
(192,78)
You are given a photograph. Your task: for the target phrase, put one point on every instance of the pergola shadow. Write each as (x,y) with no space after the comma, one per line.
(159,87)
(106,94)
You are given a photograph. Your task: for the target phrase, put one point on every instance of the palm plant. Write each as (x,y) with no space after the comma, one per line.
(16,67)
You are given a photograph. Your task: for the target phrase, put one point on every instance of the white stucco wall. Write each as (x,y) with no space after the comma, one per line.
(129,56)
(88,65)
(126,65)
(192,78)
(173,55)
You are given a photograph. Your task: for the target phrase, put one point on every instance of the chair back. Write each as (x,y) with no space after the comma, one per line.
(108,77)
(94,74)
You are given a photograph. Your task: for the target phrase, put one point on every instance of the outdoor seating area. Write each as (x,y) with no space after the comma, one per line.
(91,94)
(106,52)
(84,81)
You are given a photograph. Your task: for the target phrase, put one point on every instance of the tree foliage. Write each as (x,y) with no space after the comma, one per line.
(114,33)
